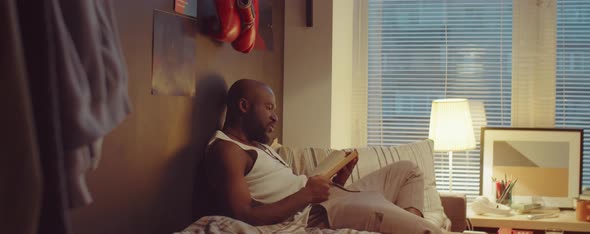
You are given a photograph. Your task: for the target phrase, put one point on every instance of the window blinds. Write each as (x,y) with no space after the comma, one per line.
(422,50)
(572,105)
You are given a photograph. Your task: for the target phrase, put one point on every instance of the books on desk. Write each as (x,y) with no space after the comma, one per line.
(521,208)
(513,231)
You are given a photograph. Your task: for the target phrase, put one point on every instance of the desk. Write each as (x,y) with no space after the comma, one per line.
(566,221)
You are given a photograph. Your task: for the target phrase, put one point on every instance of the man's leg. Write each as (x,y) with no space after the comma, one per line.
(401,182)
(370,211)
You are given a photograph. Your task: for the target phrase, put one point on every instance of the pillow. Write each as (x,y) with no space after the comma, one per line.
(275,145)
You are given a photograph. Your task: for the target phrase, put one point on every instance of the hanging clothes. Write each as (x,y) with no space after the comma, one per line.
(71,60)
(92,84)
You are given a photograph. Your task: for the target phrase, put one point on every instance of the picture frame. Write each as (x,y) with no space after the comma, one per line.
(174,54)
(546,161)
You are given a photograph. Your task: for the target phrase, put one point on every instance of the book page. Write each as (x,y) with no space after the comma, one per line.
(333,163)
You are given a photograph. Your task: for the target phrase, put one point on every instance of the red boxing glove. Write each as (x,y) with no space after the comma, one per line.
(229,21)
(247,10)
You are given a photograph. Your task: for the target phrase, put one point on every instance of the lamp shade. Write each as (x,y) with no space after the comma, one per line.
(451,126)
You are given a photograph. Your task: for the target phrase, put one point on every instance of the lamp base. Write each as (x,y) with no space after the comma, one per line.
(450,171)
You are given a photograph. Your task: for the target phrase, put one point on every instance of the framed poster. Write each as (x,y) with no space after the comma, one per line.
(174,54)
(186,7)
(546,162)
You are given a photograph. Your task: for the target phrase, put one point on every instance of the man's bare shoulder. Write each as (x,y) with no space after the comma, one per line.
(224,155)
(221,149)
(223,152)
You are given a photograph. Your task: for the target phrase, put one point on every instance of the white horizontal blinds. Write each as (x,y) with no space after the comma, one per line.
(533,71)
(419,51)
(572,104)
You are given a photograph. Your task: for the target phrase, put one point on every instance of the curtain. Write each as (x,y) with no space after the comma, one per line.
(533,63)
(572,102)
(20,174)
(422,50)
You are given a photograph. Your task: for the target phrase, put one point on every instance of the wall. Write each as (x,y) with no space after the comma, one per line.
(144,183)
(307,75)
(342,65)
(318,74)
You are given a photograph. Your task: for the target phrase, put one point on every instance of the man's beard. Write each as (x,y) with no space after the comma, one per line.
(258,134)
(256,131)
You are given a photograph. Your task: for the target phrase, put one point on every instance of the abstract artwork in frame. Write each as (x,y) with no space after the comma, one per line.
(546,162)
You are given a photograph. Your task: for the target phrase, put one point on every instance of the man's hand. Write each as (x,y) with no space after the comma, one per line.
(342,175)
(317,189)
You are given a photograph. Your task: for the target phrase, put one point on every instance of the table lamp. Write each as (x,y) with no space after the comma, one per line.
(451,128)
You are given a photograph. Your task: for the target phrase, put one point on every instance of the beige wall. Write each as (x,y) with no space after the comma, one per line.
(144,183)
(307,75)
(318,74)
(342,67)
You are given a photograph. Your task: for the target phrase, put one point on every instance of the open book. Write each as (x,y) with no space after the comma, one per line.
(333,163)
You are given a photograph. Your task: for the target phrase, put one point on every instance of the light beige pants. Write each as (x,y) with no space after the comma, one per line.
(379,207)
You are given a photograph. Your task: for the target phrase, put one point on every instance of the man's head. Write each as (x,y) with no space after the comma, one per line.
(252,104)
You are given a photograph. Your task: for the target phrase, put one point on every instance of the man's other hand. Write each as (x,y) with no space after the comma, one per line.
(317,189)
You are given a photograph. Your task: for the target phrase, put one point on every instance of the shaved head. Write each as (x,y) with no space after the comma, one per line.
(251,103)
(245,88)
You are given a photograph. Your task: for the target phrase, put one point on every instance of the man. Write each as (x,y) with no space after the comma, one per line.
(253,184)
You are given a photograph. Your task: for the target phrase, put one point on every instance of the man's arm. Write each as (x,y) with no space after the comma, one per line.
(226,172)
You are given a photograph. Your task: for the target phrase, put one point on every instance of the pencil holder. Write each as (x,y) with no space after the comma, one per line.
(507,200)
(502,195)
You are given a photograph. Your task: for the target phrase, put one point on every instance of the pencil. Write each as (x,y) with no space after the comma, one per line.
(507,190)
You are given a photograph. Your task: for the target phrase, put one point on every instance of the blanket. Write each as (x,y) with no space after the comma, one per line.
(222,224)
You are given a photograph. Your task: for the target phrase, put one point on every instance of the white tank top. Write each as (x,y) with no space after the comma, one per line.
(270,178)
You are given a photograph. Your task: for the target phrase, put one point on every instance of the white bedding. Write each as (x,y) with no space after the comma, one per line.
(222,224)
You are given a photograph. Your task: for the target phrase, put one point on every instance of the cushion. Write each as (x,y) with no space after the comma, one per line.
(303,160)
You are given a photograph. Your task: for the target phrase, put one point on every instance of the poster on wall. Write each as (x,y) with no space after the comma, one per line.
(207,12)
(186,7)
(173,54)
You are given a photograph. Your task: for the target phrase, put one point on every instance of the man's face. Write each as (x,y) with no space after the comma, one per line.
(260,120)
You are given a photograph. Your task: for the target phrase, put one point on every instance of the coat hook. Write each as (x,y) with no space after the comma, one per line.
(309,13)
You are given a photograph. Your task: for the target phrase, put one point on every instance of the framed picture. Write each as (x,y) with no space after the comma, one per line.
(174,54)
(546,162)
(186,7)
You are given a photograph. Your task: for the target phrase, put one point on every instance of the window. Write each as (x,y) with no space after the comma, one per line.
(422,50)
(572,106)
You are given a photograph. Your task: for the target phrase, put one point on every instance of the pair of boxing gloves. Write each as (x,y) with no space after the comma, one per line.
(238,23)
